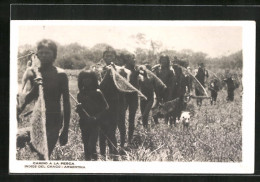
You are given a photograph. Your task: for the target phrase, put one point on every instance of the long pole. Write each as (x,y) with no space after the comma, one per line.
(196,80)
(26,55)
(75,100)
(79,103)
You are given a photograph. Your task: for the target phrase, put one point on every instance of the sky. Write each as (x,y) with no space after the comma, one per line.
(212,40)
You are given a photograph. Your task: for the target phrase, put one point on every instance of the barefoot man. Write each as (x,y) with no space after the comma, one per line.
(55,85)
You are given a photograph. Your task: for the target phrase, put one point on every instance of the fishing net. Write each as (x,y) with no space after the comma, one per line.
(121,83)
(38,120)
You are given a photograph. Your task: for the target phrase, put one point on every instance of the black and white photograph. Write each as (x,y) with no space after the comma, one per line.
(113,96)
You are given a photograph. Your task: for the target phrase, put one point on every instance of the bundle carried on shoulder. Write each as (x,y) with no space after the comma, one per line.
(121,83)
(158,82)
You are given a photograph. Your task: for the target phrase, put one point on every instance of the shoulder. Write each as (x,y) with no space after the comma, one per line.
(82,72)
(61,73)
(62,76)
(60,70)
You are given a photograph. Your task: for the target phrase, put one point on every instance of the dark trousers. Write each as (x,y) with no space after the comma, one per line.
(214,96)
(230,96)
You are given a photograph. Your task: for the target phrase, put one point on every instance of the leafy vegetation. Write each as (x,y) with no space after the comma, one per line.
(75,56)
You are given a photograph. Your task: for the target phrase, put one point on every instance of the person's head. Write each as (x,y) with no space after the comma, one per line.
(109,56)
(177,69)
(87,81)
(46,51)
(164,61)
(148,66)
(142,72)
(128,60)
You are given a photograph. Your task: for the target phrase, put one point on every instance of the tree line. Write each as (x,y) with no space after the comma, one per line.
(76,56)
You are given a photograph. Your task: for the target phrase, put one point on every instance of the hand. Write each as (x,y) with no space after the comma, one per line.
(63,137)
(140,68)
(38,81)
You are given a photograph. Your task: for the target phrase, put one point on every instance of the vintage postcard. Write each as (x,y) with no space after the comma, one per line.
(160,97)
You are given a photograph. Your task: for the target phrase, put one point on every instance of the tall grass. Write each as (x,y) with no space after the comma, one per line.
(214,135)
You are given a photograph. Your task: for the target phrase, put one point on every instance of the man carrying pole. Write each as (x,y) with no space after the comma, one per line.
(50,84)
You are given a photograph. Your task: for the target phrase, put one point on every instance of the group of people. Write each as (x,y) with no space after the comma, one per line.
(101,107)
(214,85)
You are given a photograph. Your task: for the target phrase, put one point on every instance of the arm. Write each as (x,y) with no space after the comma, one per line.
(159,89)
(32,94)
(25,79)
(206,73)
(66,109)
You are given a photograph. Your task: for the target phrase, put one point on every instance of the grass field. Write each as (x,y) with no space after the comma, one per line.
(214,135)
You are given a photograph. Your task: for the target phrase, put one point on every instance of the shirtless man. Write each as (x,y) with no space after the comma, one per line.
(55,84)
(167,76)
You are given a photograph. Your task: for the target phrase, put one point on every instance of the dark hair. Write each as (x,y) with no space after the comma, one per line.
(109,49)
(50,44)
(88,74)
(128,60)
(164,57)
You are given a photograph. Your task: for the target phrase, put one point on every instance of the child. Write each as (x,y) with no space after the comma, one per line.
(214,88)
(91,108)
(230,88)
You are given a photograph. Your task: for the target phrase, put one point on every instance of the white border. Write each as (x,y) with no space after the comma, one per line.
(248,123)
